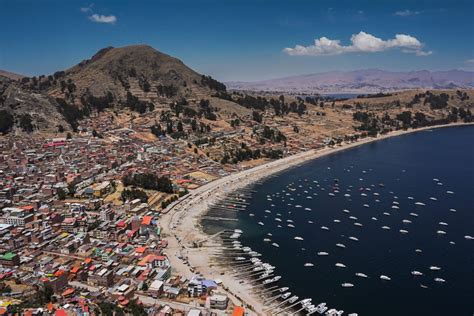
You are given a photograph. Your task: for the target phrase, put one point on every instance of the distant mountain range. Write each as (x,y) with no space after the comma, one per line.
(361,81)
(10,75)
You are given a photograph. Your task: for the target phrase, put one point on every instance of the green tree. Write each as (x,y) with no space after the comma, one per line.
(6,122)
(61,194)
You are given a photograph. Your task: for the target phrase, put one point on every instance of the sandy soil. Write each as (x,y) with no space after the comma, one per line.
(181,225)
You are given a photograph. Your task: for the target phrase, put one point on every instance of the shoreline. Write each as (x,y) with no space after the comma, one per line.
(183,227)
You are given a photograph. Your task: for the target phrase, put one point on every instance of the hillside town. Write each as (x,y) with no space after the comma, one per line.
(72,244)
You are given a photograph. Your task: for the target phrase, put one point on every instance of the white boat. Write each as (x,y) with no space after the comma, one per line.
(323,253)
(286,295)
(449,192)
(384,277)
(307,209)
(441,232)
(353,218)
(403,231)
(275,245)
(324,228)
(278,219)
(358,224)
(340,265)
(468,237)
(406,221)
(293,299)
(291,225)
(341,245)
(298,238)
(395,207)
(306,301)
(433,199)
(452,210)
(420,203)
(386,213)
(443,223)
(435,268)
(440,280)
(361,275)
(385,227)
(298,206)
(260,223)
(411,198)
(347,285)
(310,222)
(416,273)
(414,214)
(267,240)
(374,218)
(418,250)
(346,211)
(366,205)
(309,264)
(353,238)
(336,221)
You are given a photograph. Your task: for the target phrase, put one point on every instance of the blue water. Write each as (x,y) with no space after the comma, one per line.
(406,166)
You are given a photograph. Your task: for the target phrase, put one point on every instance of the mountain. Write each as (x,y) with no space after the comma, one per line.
(138,77)
(138,67)
(361,81)
(10,75)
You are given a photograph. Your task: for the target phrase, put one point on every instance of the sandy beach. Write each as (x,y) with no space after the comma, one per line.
(180,221)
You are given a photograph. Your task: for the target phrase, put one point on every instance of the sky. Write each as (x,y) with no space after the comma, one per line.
(243,40)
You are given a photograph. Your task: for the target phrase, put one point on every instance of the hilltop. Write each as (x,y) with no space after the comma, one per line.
(10,75)
(138,77)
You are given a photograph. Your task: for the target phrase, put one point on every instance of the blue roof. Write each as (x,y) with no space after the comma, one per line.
(209,283)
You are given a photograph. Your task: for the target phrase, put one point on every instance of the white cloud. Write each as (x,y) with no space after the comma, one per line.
(99,18)
(470,61)
(360,43)
(87,9)
(406,13)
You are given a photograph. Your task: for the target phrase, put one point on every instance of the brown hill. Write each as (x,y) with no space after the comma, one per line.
(10,75)
(138,77)
(139,69)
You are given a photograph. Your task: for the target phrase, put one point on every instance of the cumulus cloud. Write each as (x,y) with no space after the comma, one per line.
(360,43)
(99,18)
(86,9)
(406,13)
